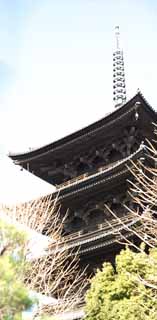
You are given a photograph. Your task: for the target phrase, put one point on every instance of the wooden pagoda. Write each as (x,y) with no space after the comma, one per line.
(90,169)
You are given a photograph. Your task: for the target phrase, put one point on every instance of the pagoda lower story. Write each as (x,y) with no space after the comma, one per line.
(99,212)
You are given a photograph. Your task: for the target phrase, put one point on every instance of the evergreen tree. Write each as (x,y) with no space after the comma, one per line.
(14,297)
(127,292)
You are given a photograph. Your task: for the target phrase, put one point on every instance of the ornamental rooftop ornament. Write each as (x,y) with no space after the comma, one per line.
(119,87)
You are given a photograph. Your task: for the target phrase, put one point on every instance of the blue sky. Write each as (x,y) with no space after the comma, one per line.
(56,64)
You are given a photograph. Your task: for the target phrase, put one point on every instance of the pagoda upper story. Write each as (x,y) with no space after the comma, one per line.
(91,171)
(92,148)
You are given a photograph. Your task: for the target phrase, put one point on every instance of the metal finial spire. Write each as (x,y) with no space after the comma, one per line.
(119,88)
(117,34)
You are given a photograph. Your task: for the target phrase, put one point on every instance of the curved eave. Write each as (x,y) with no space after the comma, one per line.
(102,238)
(117,171)
(107,121)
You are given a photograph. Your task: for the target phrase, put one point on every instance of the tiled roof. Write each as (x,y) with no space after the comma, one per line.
(109,120)
(106,175)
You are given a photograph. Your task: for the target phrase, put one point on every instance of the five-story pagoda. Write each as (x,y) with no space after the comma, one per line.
(90,169)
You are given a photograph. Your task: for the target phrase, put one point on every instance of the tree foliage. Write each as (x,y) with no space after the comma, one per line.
(53,269)
(126,292)
(14,296)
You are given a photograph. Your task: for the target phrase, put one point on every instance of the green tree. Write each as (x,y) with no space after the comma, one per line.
(14,296)
(127,292)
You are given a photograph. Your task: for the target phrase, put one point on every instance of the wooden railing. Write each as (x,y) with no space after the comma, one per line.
(83,176)
(106,226)
(71,181)
(108,230)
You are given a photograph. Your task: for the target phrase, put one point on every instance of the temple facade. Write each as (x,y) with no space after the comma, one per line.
(91,171)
